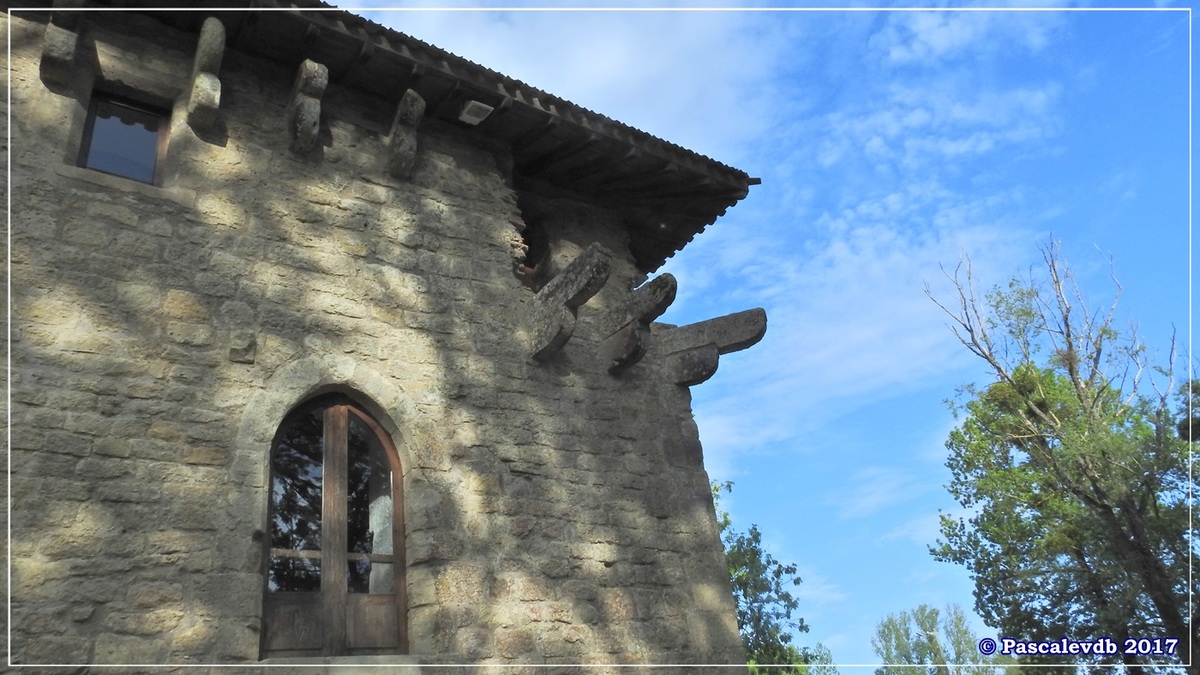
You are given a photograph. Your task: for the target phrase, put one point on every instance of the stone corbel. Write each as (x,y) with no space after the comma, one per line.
(402,145)
(627,328)
(691,352)
(60,43)
(304,106)
(204,97)
(554,307)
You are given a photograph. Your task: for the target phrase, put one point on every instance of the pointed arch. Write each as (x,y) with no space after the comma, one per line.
(349,413)
(334,574)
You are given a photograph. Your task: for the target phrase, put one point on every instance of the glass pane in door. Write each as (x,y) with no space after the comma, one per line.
(369,510)
(296,475)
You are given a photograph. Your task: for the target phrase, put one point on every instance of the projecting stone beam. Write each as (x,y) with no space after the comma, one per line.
(554,307)
(204,98)
(627,328)
(402,144)
(691,352)
(693,366)
(304,107)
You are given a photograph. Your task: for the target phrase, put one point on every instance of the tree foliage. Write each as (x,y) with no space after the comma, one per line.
(926,636)
(1076,480)
(764,605)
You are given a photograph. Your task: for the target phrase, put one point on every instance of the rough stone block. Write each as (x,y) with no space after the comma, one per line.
(67,443)
(210,455)
(461,583)
(210,49)
(154,622)
(243,346)
(204,102)
(554,307)
(155,593)
(402,144)
(58,55)
(644,304)
(114,447)
(98,467)
(693,366)
(185,306)
(516,643)
(730,333)
(194,637)
(691,352)
(304,109)
(34,649)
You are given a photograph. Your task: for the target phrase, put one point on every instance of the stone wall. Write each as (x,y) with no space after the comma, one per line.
(555,513)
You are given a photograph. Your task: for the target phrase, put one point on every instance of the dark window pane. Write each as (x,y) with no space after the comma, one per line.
(294,575)
(124,141)
(368,506)
(368,577)
(296,468)
(358,576)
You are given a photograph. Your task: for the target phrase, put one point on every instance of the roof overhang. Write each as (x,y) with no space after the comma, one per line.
(665,193)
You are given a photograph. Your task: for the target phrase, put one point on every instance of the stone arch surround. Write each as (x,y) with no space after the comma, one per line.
(308,377)
(290,386)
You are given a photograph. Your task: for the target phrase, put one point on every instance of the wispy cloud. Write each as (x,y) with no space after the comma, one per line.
(922,530)
(642,68)
(862,204)
(920,126)
(817,591)
(849,323)
(873,489)
(927,38)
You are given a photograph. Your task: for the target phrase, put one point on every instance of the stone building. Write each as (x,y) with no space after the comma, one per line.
(296,298)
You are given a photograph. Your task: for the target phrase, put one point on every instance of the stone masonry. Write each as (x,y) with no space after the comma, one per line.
(306,238)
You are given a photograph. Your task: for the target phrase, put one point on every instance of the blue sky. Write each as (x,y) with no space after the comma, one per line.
(888,143)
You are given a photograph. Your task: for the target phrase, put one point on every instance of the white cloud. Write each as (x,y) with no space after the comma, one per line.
(816,592)
(1124,183)
(921,126)
(873,489)
(926,38)
(696,79)
(923,36)
(848,326)
(854,218)
(922,530)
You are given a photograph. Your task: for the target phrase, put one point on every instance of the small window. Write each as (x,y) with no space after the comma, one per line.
(533,270)
(124,139)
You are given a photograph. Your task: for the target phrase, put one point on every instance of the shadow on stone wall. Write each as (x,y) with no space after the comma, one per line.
(556,514)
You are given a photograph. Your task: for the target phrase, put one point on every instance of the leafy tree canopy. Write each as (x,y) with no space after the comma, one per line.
(939,640)
(1075,479)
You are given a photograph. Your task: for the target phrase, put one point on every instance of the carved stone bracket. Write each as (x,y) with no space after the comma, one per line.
(402,145)
(554,307)
(691,352)
(60,44)
(204,98)
(627,328)
(304,106)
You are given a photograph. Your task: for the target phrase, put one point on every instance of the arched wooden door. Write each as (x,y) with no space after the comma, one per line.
(335,562)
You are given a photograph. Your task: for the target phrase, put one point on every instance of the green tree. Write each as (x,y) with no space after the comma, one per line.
(764,605)
(817,661)
(1076,481)
(926,636)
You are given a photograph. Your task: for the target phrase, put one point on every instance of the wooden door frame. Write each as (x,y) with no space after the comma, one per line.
(333,601)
